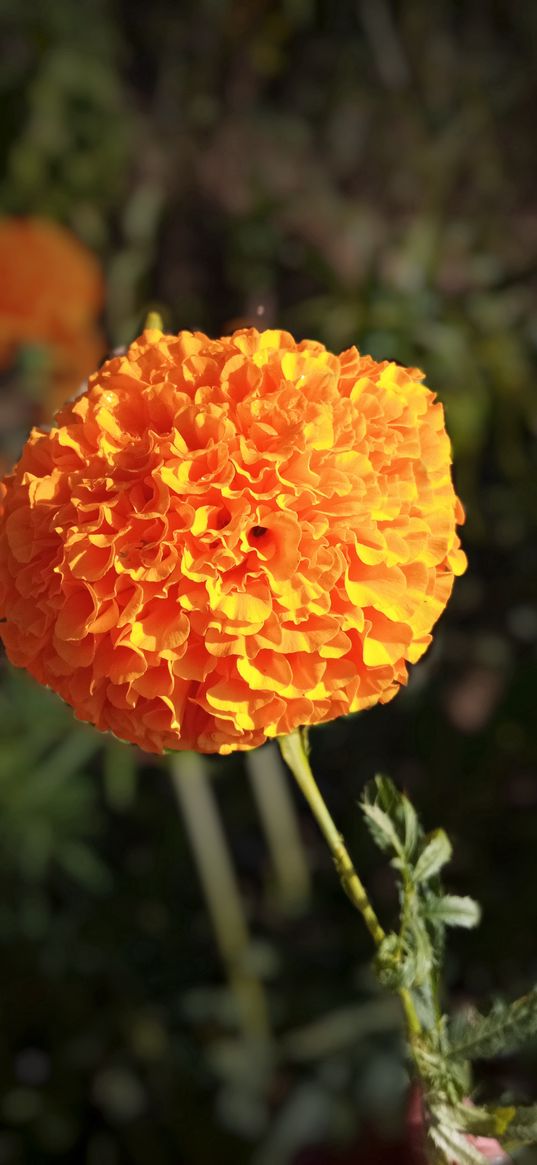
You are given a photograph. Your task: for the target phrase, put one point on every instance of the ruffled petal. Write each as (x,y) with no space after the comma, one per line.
(222,540)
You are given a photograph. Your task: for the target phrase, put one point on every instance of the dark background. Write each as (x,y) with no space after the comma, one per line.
(358,173)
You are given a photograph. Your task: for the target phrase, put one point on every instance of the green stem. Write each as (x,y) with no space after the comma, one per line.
(276,809)
(153,319)
(294,753)
(192,787)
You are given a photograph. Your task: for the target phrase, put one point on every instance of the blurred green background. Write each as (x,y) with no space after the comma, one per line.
(361,173)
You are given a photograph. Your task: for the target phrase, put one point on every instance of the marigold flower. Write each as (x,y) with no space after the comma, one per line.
(51,292)
(222,540)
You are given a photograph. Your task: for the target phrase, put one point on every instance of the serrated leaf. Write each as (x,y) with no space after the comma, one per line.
(381,828)
(460,1072)
(435,927)
(383,793)
(454,1147)
(412,828)
(387,961)
(395,966)
(422,950)
(431,1067)
(453,910)
(504,1028)
(463,1022)
(436,853)
(478,1121)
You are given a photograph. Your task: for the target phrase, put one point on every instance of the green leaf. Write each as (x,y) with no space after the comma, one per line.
(383,793)
(453,910)
(381,828)
(388,960)
(422,950)
(436,853)
(435,927)
(504,1028)
(484,1121)
(455,1149)
(412,827)
(395,966)
(431,1066)
(522,1130)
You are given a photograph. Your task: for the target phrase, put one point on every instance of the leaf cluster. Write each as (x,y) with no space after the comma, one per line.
(410,961)
(409,958)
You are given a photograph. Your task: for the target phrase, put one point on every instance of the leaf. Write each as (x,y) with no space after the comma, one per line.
(395,966)
(383,793)
(454,1146)
(435,927)
(523,1127)
(412,828)
(381,828)
(484,1121)
(453,910)
(462,1022)
(423,951)
(504,1028)
(388,962)
(436,853)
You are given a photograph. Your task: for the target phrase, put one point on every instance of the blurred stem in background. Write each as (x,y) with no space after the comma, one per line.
(277,812)
(200,813)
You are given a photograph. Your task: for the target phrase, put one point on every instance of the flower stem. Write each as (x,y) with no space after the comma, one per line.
(153,319)
(276,809)
(295,755)
(192,787)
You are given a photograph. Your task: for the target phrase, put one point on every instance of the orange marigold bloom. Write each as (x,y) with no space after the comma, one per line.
(222,540)
(51,292)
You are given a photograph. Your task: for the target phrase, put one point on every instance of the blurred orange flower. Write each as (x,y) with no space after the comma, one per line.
(222,540)
(51,292)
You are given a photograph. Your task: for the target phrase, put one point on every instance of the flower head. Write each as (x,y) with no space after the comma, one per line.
(222,540)
(51,292)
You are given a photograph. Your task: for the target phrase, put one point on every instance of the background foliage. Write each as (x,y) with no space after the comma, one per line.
(361,173)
